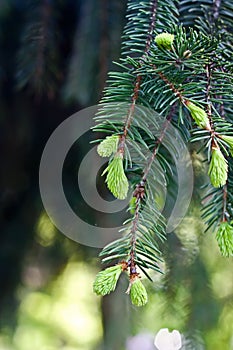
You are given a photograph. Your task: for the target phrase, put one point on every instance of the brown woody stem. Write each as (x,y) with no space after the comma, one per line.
(139,193)
(129,117)
(224,203)
(171,85)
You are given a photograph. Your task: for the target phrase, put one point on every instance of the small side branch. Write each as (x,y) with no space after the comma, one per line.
(224,214)
(209,105)
(130,113)
(152,25)
(158,142)
(139,194)
(171,85)
(222,108)
(208,100)
(129,117)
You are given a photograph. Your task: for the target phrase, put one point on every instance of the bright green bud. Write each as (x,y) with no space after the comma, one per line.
(138,293)
(224,237)
(229,141)
(108,146)
(164,40)
(116,179)
(106,280)
(199,115)
(218,168)
(132,205)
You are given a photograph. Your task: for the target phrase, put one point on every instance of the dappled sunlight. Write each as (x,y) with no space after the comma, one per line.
(76,310)
(66,316)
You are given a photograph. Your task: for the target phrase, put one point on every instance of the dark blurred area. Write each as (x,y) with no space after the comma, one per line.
(54,59)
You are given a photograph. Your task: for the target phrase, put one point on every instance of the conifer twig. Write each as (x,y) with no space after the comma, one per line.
(139,193)
(130,113)
(224,203)
(209,105)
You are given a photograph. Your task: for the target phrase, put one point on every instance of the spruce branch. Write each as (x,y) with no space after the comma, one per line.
(140,194)
(224,211)
(137,291)
(197,113)
(137,83)
(208,98)
(224,237)
(183,72)
(136,89)
(218,166)
(116,179)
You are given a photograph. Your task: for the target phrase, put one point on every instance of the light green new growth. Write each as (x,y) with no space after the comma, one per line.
(224,237)
(132,205)
(106,280)
(199,115)
(164,40)
(116,179)
(108,146)
(218,168)
(138,293)
(229,141)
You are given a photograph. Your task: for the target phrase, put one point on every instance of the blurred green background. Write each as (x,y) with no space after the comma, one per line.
(54,59)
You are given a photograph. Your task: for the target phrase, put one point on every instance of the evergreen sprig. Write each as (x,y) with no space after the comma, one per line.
(179,66)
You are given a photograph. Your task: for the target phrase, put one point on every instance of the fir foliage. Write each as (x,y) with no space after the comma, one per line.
(175,60)
(138,293)
(218,168)
(199,115)
(164,40)
(224,237)
(108,146)
(228,140)
(106,280)
(116,179)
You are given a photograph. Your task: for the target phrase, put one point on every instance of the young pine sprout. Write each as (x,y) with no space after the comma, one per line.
(199,115)
(164,41)
(106,280)
(116,179)
(108,146)
(218,169)
(229,141)
(224,237)
(137,291)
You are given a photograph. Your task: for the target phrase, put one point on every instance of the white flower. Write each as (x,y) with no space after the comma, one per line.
(165,340)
